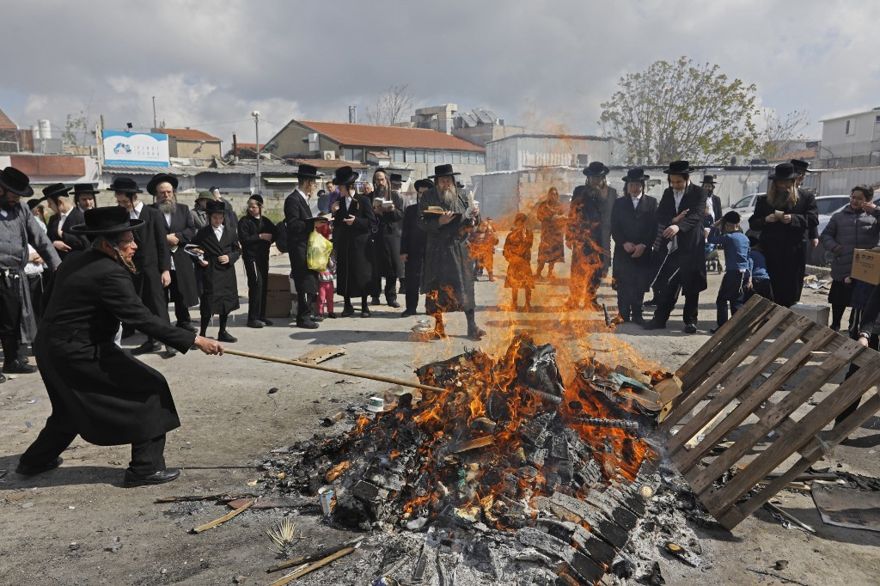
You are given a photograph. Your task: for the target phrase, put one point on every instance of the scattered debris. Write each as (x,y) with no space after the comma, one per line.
(114,546)
(852,508)
(788,517)
(304,559)
(224,518)
(322,354)
(332,419)
(307,569)
(284,536)
(272,391)
(775,575)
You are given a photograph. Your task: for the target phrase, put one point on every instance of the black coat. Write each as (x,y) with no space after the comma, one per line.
(716,207)
(298,218)
(184,228)
(589,224)
(220,287)
(783,244)
(252,246)
(74,241)
(97,389)
(153,253)
(639,226)
(691,240)
(412,237)
(387,240)
(354,263)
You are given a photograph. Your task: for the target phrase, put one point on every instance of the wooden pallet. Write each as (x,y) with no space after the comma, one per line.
(747,381)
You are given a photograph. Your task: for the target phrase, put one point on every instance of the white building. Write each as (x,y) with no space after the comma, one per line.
(531,151)
(851,141)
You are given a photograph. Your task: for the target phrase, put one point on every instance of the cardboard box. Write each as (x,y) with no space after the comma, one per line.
(866,266)
(278,283)
(279,299)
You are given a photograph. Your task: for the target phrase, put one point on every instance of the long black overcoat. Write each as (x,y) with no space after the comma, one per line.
(639,226)
(354,261)
(690,240)
(300,224)
(182,226)
(220,286)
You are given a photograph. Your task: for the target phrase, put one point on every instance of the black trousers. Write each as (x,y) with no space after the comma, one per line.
(146,457)
(181,311)
(305,303)
(629,300)
(731,293)
(874,344)
(257,270)
(413,272)
(669,283)
(10,317)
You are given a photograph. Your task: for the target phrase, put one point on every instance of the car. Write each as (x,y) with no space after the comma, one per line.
(745,206)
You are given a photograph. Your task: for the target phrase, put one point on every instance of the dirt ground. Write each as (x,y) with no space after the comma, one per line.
(76,525)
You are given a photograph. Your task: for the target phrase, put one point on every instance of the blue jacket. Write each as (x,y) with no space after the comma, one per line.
(759,266)
(736,249)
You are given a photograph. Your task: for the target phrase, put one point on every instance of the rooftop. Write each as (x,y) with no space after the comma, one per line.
(553,136)
(331,164)
(187,134)
(851,114)
(389,136)
(6,123)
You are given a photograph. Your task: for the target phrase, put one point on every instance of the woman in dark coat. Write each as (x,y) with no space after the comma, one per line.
(352,220)
(551,249)
(256,233)
(633,228)
(784,217)
(219,244)
(97,389)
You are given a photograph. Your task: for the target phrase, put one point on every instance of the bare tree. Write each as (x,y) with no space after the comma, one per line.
(391,107)
(682,110)
(75,123)
(781,132)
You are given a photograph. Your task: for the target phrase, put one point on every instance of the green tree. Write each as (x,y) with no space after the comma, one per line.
(682,110)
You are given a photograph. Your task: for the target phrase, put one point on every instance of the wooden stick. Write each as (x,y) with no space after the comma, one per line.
(224,518)
(207,497)
(375,377)
(313,566)
(311,557)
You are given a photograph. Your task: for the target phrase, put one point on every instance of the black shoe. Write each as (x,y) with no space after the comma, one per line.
(266,322)
(160,477)
(375,301)
(393,304)
(650,302)
(185,325)
(147,347)
(476,334)
(306,324)
(317,318)
(34,469)
(348,311)
(638,320)
(365,312)
(254,323)
(713,330)
(169,352)
(331,315)
(654,325)
(127,332)
(690,329)
(408,313)
(2,379)
(225,336)
(19,367)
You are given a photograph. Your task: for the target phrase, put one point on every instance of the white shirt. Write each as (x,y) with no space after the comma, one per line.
(635,201)
(677,196)
(168,219)
(348,199)
(135,213)
(62,219)
(304,196)
(218,232)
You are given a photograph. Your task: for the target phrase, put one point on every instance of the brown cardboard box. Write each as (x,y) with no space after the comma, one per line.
(278,298)
(866,266)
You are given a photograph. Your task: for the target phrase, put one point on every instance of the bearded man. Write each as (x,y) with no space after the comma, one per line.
(388,208)
(97,389)
(447,215)
(180,229)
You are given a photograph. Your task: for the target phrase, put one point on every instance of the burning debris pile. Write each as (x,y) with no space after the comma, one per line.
(506,450)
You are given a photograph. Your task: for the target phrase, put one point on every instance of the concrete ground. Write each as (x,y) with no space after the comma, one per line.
(76,525)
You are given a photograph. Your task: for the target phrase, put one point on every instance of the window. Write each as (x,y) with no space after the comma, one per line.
(429,156)
(420,156)
(410,156)
(397,155)
(850,128)
(456,157)
(353,155)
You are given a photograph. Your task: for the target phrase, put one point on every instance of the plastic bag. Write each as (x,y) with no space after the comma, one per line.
(318,252)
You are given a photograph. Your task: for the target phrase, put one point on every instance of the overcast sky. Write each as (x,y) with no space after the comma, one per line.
(543,64)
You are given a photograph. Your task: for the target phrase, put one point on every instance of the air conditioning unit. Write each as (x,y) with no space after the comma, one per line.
(329,155)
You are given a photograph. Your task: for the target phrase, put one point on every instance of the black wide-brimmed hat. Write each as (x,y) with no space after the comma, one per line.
(161,178)
(800,166)
(731,217)
(124,185)
(783,172)
(710,179)
(257,198)
(34,202)
(396,178)
(106,220)
(307,171)
(443,171)
(11,179)
(345,176)
(427,183)
(56,190)
(215,207)
(679,168)
(636,174)
(84,189)
(596,169)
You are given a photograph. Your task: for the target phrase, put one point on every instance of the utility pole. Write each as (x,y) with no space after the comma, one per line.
(155,118)
(256,116)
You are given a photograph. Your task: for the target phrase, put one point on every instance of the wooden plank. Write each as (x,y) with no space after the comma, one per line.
(735,386)
(728,336)
(810,425)
(692,399)
(752,400)
(702,480)
(842,430)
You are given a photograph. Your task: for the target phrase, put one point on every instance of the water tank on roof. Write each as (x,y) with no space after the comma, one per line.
(45,129)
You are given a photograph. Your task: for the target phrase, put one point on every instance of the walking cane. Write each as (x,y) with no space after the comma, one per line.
(375,377)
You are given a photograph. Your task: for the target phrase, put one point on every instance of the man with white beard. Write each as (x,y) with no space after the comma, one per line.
(180,230)
(447,216)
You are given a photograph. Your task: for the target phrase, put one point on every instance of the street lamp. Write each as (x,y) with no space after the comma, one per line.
(256,115)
